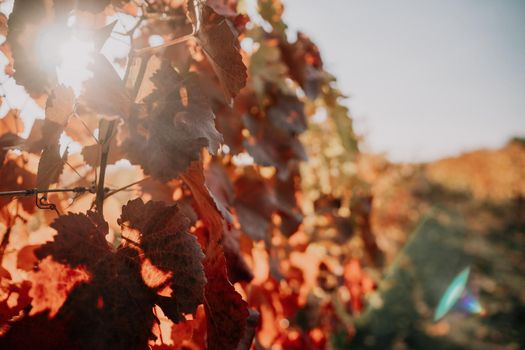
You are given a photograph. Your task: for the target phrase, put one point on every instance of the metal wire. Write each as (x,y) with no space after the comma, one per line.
(35,191)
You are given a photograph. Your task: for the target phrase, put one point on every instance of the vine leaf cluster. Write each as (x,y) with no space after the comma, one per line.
(183,113)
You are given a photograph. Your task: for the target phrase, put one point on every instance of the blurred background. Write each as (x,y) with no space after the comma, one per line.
(438,86)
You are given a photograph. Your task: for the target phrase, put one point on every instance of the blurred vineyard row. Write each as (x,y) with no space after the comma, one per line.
(474,206)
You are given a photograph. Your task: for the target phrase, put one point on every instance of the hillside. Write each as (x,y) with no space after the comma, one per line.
(433,220)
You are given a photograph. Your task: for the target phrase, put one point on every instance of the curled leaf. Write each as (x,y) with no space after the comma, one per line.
(218,39)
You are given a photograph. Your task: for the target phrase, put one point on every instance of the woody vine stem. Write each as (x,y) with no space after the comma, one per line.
(106,140)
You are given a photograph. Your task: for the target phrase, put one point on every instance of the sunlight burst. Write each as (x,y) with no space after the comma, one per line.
(75,58)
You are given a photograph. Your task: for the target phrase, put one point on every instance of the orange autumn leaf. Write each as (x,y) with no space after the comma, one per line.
(51,284)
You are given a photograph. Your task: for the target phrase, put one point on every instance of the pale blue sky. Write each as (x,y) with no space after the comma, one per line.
(427,79)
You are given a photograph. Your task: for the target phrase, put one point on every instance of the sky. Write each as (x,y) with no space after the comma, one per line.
(426,79)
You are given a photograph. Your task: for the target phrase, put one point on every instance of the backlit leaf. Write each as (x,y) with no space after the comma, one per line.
(179,124)
(167,244)
(218,40)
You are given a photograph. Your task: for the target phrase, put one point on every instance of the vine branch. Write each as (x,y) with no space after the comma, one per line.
(104,154)
(152,49)
(109,194)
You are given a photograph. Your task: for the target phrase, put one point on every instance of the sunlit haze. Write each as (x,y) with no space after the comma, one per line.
(75,57)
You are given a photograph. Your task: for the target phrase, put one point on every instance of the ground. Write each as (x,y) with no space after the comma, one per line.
(459,212)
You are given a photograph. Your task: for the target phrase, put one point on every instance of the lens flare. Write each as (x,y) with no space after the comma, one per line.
(470,303)
(452,294)
(459,297)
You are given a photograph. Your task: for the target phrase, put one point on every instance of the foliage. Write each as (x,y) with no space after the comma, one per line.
(179,221)
(432,220)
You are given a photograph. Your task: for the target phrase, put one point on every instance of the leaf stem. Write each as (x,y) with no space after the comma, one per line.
(130,241)
(109,194)
(5,242)
(152,49)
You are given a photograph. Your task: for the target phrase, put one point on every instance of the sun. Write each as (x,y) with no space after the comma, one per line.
(72,56)
(75,58)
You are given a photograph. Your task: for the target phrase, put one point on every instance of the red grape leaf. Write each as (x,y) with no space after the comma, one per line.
(224,8)
(7,311)
(288,208)
(114,309)
(179,124)
(220,187)
(272,146)
(80,127)
(60,105)
(205,204)
(50,166)
(249,331)
(15,177)
(287,113)
(210,83)
(255,202)
(218,39)
(51,284)
(238,269)
(105,92)
(91,154)
(166,242)
(26,258)
(43,133)
(4,273)
(154,277)
(38,332)
(229,124)
(305,64)
(226,312)
(80,240)
(180,333)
